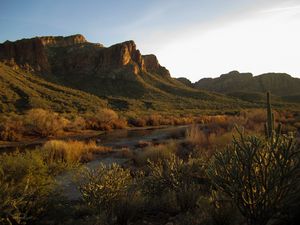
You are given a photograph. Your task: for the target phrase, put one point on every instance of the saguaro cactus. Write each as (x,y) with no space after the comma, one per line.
(258,174)
(270,124)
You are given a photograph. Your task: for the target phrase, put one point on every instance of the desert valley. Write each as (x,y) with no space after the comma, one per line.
(104,135)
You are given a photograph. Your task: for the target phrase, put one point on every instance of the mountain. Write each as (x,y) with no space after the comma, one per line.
(119,73)
(185,81)
(249,87)
(21,90)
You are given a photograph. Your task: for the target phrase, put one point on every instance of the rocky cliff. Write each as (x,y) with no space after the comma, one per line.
(29,54)
(75,55)
(60,41)
(152,65)
(119,72)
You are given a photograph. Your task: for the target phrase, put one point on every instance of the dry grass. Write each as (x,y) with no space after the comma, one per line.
(155,153)
(44,123)
(71,151)
(195,136)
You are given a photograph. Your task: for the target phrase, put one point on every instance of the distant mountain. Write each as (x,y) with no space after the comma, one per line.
(21,91)
(119,73)
(185,81)
(249,87)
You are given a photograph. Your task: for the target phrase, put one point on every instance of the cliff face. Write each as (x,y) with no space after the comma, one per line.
(118,70)
(61,41)
(75,55)
(29,54)
(152,65)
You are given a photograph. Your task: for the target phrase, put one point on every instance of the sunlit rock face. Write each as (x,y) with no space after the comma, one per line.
(75,55)
(73,61)
(152,65)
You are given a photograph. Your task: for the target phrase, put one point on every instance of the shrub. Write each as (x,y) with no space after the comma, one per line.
(11,128)
(119,124)
(107,115)
(155,153)
(173,176)
(44,123)
(153,120)
(110,190)
(196,136)
(77,123)
(104,119)
(258,173)
(25,187)
(137,122)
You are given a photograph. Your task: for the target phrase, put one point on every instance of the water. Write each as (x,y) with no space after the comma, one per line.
(121,138)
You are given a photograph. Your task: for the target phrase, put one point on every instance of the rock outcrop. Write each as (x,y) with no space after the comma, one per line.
(60,41)
(152,65)
(75,55)
(29,54)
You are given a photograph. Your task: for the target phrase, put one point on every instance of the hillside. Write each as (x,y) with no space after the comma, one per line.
(249,87)
(119,73)
(21,90)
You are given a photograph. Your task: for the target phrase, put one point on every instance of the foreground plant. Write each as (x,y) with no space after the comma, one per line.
(111,191)
(172,176)
(25,187)
(258,173)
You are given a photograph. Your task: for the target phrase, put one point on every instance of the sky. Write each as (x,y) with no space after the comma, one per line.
(191,38)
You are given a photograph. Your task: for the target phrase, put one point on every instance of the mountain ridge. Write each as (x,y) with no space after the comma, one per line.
(280,84)
(116,72)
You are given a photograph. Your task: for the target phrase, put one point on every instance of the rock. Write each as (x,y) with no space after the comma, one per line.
(60,41)
(74,58)
(152,65)
(29,54)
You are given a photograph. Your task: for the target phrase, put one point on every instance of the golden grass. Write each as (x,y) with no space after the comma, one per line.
(155,153)
(195,136)
(71,151)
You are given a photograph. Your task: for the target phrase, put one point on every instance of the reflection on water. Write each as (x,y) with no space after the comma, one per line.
(123,138)
(130,138)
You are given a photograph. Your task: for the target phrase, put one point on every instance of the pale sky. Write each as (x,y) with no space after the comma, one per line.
(194,39)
